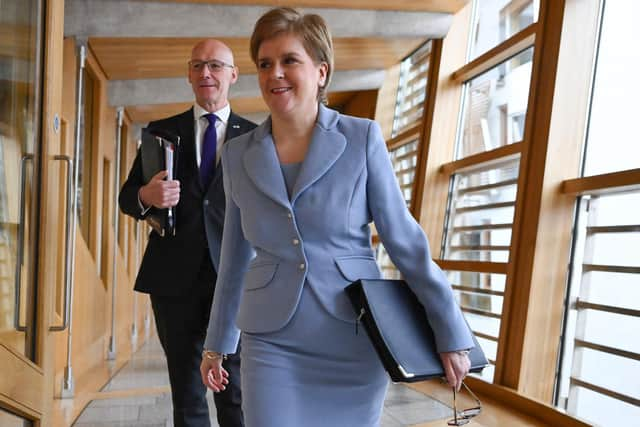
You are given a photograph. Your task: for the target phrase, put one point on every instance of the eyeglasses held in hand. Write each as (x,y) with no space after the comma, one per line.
(461,418)
(214,65)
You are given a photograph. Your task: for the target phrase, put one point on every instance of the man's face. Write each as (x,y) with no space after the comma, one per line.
(211,88)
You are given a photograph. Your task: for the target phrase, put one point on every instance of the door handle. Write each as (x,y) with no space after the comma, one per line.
(68,243)
(20,255)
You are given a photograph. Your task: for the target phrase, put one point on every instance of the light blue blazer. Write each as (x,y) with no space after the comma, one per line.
(320,236)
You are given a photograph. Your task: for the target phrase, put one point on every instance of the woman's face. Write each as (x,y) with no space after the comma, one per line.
(289,79)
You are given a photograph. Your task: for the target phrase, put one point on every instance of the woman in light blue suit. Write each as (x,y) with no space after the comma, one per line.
(301,191)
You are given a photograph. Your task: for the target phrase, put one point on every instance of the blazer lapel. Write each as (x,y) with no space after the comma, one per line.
(263,167)
(327,145)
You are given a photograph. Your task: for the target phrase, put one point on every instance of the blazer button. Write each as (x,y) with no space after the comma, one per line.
(206,202)
(289,215)
(301,266)
(295,242)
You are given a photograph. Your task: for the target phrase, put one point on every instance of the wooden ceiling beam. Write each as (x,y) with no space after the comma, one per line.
(444,6)
(166,57)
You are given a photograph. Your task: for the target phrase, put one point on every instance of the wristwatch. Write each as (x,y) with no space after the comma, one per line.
(213,355)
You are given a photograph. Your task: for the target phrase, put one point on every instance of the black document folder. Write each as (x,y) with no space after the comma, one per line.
(159,151)
(397,324)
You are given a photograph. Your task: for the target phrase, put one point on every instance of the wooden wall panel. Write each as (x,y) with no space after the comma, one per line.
(92,295)
(543,255)
(362,104)
(386,105)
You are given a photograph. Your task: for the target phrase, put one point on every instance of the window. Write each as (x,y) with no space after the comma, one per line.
(404,147)
(613,142)
(480,216)
(411,90)
(497,21)
(495,106)
(600,351)
(476,250)
(405,159)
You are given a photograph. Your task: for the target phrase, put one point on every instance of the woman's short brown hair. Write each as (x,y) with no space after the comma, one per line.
(311,29)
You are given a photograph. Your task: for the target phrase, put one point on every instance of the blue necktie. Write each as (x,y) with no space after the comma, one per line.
(208,155)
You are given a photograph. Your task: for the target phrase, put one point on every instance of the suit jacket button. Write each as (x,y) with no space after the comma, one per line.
(289,215)
(295,242)
(301,266)
(206,202)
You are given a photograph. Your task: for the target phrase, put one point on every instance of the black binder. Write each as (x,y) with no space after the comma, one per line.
(398,327)
(159,151)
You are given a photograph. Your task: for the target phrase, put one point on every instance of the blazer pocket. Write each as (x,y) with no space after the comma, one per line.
(358,267)
(259,276)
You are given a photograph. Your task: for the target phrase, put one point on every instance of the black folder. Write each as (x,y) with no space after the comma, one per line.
(397,324)
(159,151)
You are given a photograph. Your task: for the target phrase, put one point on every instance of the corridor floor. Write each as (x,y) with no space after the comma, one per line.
(138,396)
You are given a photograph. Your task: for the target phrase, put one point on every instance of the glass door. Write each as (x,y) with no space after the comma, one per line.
(21,43)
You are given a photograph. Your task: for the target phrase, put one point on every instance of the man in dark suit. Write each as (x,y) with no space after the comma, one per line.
(179,272)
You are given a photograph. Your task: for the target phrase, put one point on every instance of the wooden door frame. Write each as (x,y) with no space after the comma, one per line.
(27,386)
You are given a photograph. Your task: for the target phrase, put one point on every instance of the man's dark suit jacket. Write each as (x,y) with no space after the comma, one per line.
(171,263)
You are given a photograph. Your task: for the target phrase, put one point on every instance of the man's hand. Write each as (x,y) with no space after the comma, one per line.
(160,193)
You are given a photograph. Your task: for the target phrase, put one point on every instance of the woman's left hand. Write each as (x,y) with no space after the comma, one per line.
(456,366)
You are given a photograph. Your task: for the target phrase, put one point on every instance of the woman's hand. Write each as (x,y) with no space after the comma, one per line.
(456,366)
(213,374)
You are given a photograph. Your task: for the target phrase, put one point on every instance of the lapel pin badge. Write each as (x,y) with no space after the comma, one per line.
(235,126)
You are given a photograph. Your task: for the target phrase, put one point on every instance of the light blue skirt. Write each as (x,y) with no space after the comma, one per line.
(314,372)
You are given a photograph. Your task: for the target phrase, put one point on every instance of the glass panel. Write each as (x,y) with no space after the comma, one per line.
(607,238)
(590,407)
(613,248)
(497,20)
(85,158)
(612,330)
(7,419)
(483,324)
(612,139)
(495,106)
(618,209)
(20,81)
(612,288)
(404,159)
(412,88)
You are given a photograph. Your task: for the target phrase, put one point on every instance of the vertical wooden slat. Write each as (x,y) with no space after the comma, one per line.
(537,274)
(427,123)
(50,217)
(439,147)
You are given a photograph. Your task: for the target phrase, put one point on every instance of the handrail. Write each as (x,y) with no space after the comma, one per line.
(607,349)
(602,390)
(20,255)
(67,248)
(68,386)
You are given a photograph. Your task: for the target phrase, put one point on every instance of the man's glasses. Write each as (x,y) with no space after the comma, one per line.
(214,65)
(462,417)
